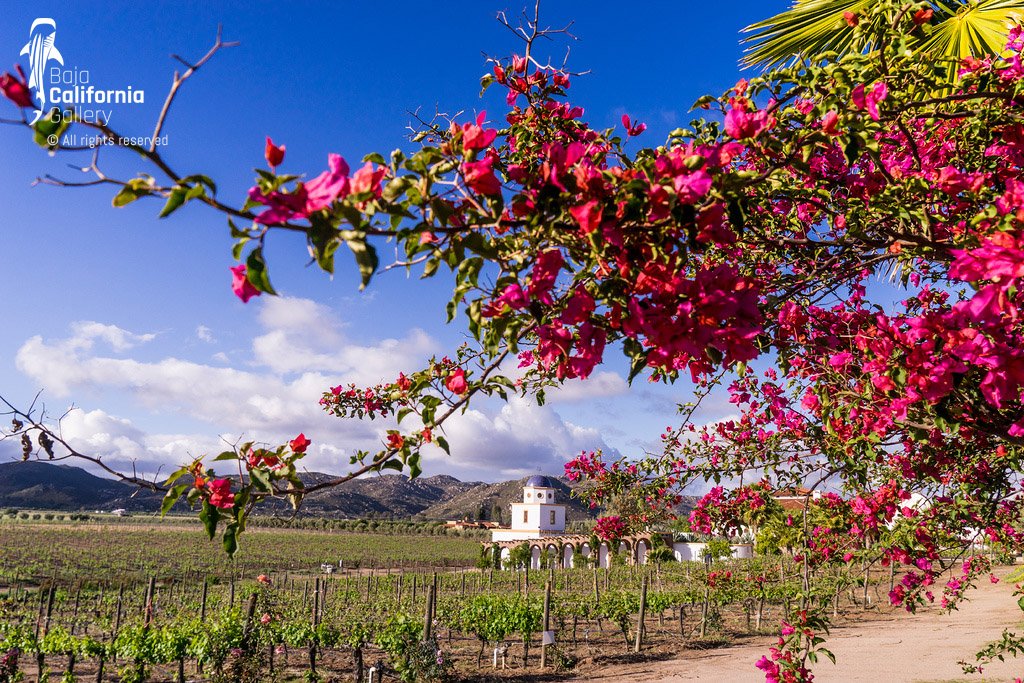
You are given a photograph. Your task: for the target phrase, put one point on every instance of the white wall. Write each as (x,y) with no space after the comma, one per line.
(694,551)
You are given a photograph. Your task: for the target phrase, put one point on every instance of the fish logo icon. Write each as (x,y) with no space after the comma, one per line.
(40,50)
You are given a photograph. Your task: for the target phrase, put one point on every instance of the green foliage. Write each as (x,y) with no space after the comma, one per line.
(520,557)
(717,549)
(413,658)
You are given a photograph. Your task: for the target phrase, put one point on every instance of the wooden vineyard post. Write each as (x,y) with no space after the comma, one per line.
(704,611)
(120,603)
(148,603)
(547,625)
(250,612)
(428,620)
(74,616)
(202,603)
(316,622)
(643,614)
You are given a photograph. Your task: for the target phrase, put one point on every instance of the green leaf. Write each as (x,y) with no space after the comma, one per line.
(209,516)
(172,497)
(391,464)
(230,539)
(261,479)
(174,200)
(442,443)
(396,188)
(256,271)
(366,258)
(226,455)
(53,125)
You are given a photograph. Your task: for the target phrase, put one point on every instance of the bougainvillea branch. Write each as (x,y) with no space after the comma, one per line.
(839,242)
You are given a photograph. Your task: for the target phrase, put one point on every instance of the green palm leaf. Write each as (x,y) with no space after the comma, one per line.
(974,29)
(810,27)
(959,28)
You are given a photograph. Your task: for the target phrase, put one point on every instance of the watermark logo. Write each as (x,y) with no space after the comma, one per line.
(66,91)
(40,51)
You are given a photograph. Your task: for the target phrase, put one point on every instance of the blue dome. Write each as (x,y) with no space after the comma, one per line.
(539,482)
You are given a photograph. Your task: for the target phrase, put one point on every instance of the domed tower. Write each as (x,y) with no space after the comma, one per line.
(537,516)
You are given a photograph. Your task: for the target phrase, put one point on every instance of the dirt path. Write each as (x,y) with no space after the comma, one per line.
(899,649)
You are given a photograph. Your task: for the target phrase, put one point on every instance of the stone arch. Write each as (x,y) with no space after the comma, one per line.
(602,555)
(641,551)
(535,552)
(568,556)
(551,554)
(506,552)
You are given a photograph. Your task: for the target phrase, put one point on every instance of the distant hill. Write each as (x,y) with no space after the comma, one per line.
(491,502)
(43,485)
(47,486)
(388,495)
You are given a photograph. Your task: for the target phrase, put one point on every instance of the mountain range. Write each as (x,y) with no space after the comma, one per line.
(43,485)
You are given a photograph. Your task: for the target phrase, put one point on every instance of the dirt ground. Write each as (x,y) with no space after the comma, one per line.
(893,648)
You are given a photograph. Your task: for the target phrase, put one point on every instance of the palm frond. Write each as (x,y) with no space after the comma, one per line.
(961,28)
(809,27)
(974,30)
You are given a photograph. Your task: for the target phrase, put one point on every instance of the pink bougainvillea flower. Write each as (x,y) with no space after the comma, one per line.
(220,494)
(328,187)
(830,123)
(545,272)
(851,19)
(480,176)
(274,154)
(265,619)
(579,308)
(741,122)
(263,579)
(865,99)
(588,216)
(475,137)
(16,89)
(316,195)
(395,441)
(511,298)
(456,382)
(610,528)
(923,16)
(299,444)
(240,285)
(367,179)
(633,128)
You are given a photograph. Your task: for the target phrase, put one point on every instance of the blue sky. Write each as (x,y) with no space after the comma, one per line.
(131,318)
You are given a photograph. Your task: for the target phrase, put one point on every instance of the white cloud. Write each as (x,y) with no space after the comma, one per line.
(302,350)
(205,334)
(85,333)
(604,384)
(522,438)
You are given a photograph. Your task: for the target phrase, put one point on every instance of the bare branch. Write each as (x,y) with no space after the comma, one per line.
(218,45)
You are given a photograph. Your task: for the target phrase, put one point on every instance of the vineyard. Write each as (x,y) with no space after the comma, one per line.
(77,605)
(136,552)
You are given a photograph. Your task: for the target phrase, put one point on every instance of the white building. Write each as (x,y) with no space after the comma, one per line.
(537,516)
